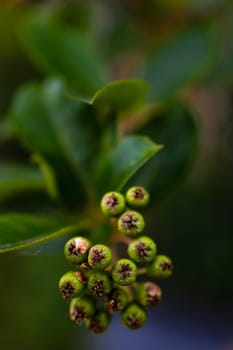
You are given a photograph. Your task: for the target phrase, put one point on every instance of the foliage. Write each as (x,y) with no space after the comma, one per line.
(84,155)
(85,141)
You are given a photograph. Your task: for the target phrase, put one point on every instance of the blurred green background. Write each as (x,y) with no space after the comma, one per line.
(193,223)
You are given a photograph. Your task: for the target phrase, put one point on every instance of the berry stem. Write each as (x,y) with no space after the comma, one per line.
(117,236)
(124,239)
(129,291)
(141,271)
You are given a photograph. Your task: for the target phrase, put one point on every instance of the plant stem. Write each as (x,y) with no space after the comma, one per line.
(117,236)
(141,271)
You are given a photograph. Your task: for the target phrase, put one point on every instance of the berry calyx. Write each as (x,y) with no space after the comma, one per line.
(113,204)
(117,300)
(76,249)
(133,316)
(131,223)
(99,284)
(137,197)
(81,308)
(142,249)
(148,294)
(161,267)
(71,284)
(100,256)
(99,322)
(124,272)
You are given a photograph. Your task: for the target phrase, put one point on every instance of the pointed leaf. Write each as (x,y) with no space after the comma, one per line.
(21,231)
(64,52)
(175,127)
(60,130)
(17,179)
(122,162)
(120,96)
(181,60)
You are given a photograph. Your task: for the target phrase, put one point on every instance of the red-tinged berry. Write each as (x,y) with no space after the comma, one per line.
(81,308)
(117,300)
(76,249)
(71,284)
(148,294)
(99,322)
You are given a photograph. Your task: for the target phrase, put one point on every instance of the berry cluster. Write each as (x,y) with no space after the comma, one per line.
(101,284)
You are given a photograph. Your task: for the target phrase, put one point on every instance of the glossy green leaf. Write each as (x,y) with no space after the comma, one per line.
(175,127)
(122,162)
(61,131)
(17,179)
(63,51)
(120,96)
(21,231)
(181,60)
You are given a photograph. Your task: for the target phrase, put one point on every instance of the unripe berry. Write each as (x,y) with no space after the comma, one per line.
(76,249)
(100,256)
(124,272)
(99,322)
(81,308)
(117,300)
(137,197)
(99,283)
(133,316)
(112,204)
(148,294)
(131,223)
(142,249)
(161,267)
(71,284)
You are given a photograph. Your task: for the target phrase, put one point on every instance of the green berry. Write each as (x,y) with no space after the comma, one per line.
(117,300)
(81,308)
(76,249)
(161,267)
(99,322)
(124,272)
(131,223)
(99,283)
(133,316)
(71,284)
(137,197)
(148,294)
(100,256)
(112,204)
(142,249)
